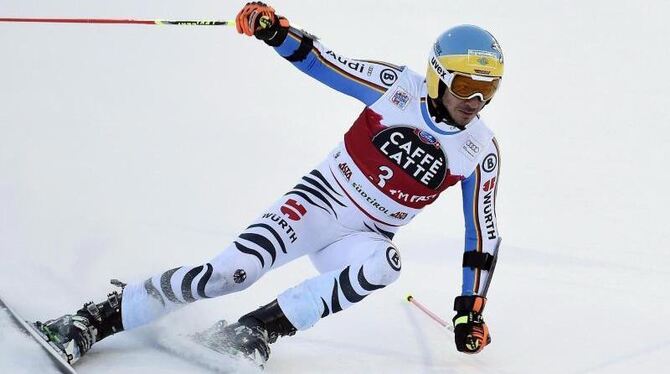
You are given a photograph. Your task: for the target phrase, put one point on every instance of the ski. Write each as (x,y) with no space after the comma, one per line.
(206,351)
(60,363)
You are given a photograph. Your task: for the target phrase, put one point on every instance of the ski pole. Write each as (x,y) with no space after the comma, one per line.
(430,314)
(155,22)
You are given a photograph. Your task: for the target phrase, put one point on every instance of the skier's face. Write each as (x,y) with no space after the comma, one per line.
(462,111)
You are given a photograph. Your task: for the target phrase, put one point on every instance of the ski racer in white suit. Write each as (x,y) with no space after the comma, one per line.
(415,137)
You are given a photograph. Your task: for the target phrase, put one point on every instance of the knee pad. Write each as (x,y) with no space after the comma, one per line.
(384,266)
(232,273)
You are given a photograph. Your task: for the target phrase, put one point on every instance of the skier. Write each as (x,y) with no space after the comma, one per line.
(415,137)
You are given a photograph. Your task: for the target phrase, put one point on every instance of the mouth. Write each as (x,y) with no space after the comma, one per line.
(468,112)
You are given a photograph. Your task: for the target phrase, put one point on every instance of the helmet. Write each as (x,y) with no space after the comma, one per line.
(464,50)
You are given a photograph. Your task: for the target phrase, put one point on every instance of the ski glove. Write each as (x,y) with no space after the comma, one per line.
(259,19)
(470,331)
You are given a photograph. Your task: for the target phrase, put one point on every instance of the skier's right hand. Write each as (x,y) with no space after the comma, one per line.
(259,19)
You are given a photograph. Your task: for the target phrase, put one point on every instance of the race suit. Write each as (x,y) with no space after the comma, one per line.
(393,162)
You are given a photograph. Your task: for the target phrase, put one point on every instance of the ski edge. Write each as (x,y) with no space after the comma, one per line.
(61,362)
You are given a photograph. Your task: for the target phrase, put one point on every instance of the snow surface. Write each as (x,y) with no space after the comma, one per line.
(128,150)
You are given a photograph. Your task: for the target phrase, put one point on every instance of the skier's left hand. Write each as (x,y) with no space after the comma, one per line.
(470,331)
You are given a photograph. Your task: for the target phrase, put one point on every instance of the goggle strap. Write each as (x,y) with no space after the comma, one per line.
(437,66)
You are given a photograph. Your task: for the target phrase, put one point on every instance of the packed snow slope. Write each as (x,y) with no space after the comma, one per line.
(129,150)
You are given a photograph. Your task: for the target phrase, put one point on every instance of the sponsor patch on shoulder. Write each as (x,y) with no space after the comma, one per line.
(490,162)
(388,77)
(400,98)
(471,148)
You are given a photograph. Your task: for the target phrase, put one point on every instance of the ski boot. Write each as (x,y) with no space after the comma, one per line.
(251,335)
(74,335)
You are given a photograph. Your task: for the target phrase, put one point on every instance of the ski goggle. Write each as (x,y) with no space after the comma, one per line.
(463,86)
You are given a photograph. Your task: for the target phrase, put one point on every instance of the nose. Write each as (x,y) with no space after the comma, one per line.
(473,102)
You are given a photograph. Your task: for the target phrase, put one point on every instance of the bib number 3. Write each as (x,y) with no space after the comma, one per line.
(385,174)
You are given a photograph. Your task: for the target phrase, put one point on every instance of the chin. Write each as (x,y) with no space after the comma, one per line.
(464,121)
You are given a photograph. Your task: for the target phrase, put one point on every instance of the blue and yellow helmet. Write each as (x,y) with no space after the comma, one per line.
(465,49)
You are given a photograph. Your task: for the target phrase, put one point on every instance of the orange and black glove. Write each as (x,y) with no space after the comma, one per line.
(470,330)
(259,19)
